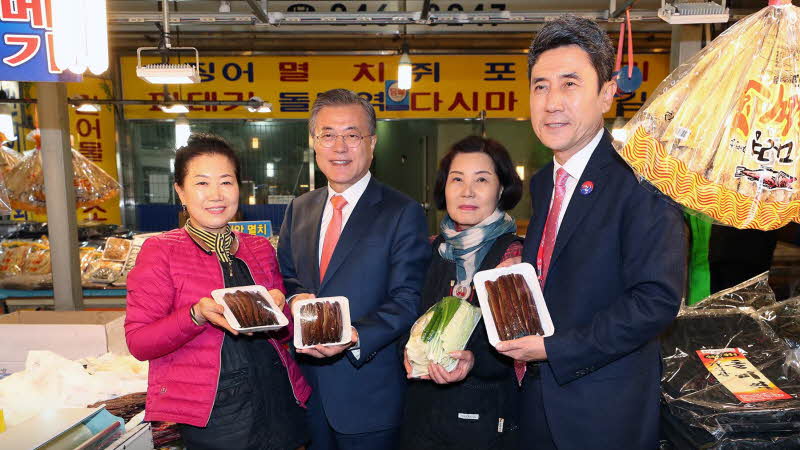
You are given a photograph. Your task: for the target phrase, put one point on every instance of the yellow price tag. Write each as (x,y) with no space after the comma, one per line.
(2,422)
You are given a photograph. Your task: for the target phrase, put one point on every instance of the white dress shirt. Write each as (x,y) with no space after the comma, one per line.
(574,167)
(352,195)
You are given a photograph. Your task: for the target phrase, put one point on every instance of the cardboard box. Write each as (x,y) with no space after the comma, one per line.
(71,334)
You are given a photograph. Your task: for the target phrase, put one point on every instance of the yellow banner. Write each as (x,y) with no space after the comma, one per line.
(93,134)
(444,86)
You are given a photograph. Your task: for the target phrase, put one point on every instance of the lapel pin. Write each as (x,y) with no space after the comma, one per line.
(587,187)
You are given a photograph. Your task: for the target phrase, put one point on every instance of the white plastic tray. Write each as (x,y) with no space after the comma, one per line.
(231,318)
(347,331)
(527,271)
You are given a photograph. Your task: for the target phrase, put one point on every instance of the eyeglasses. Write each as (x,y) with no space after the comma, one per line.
(350,139)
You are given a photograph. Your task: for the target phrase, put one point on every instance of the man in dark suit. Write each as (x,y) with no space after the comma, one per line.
(610,255)
(359,239)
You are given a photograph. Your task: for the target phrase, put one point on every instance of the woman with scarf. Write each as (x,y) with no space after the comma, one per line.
(473,406)
(225,390)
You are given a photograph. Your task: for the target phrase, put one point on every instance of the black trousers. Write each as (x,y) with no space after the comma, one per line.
(535,432)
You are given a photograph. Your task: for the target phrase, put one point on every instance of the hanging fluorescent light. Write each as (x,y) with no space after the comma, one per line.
(404,70)
(182,132)
(80,35)
(169,73)
(256,105)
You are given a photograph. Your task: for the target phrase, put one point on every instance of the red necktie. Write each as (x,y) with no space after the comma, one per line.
(547,244)
(332,234)
(551,226)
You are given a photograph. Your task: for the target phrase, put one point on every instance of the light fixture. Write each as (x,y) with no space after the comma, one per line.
(404,70)
(80,35)
(164,72)
(254,143)
(257,105)
(88,107)
(182,132)
(685,12)
(618,129)
(270,170)
(521,172)
(168,73)
(251,200)
(175,108)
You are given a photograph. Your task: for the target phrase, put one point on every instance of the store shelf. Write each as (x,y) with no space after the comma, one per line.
(93,299)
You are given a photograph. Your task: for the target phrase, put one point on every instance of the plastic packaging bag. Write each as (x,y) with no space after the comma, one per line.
(751,294)
(25,183)
(698,401)
(444,328)
(719,135)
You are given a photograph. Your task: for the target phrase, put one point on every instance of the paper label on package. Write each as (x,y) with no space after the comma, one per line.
(731,368)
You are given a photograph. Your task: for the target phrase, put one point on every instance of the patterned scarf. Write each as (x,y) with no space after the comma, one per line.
(467,248)
(220,243)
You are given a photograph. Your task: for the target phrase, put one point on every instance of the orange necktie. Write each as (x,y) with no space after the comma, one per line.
(332,234)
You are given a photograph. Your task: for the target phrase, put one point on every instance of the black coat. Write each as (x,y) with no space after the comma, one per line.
(480,412)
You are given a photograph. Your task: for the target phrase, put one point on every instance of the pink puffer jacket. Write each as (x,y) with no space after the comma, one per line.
(171,274)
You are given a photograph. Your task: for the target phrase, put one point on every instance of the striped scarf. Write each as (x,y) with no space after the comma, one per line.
(467,248)
(220,243)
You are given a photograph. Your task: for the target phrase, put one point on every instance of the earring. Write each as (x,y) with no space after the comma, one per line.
(183,207)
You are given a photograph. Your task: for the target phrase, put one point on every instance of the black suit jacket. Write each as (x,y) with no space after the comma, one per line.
(379,264)
(615,282)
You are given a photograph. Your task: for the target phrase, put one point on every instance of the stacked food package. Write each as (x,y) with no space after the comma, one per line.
(104,261)
(731,376)
(444,328)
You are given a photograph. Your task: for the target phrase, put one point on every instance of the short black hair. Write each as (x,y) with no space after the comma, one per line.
(503,167)
(341,97)
(573,30)
(203,144)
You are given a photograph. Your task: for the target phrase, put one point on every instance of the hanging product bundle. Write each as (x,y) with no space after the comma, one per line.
(720,134)
(629,77)
(25,183)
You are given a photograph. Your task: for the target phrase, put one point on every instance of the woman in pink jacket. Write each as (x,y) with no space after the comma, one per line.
(226,390)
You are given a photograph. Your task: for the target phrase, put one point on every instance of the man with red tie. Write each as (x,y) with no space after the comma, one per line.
(359,239)
(610,254)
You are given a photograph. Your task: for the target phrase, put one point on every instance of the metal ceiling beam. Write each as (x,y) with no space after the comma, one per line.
(257,11)
(373,18)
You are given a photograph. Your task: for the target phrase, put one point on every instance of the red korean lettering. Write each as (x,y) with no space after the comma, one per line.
(23,11)
(293,71)
(87,128)
(364,72)
(416,99)
(29,45)
(92,150)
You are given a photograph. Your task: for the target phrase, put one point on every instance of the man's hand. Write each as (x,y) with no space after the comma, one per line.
(279,298)
(207,310)
(528,348)
(326,351)
(300,297)
(466,360)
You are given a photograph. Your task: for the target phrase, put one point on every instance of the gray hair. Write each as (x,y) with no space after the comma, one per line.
(573,30)
(341,97)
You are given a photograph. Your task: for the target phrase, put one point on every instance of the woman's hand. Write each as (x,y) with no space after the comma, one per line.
(466,360)
(407,365)
(279,298)
(207,310)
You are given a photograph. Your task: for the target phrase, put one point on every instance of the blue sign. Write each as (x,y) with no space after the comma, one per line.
(257,227)
(396,98)
(26,47)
